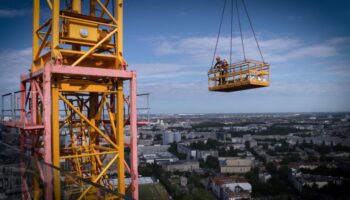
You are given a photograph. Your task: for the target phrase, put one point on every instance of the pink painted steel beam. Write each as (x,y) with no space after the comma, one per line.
(133,139)
(90,71)
(26,77)
(23,97)
(87,71)
(24,186)
(38,89)
(47,129)
(34,102)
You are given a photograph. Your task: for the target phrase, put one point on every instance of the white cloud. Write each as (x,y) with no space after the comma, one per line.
(13,63)
(175,90)
(166,70)
(308,88)
(275,50)
(14,12)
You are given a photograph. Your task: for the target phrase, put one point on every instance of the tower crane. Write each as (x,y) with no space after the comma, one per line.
(72,104)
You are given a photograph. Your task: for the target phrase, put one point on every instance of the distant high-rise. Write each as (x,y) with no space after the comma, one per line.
(170,137)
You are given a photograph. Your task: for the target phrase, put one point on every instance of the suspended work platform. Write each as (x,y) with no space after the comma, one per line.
(243,75)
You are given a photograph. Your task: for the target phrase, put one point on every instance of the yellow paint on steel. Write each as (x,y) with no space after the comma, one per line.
(43,44)
(87,21)
(119,44)
(93,8)
(120,136)
(111,117)
(119,8)
(49,3)
(104,148)
(89,87)
(91,50)
(76,6)
(36,185)
(88,154)
(76,26)
(55,26)
(93,135)
(36,25)
(72,52)
(105,5)
(98,177)
(89,122)
(107,11)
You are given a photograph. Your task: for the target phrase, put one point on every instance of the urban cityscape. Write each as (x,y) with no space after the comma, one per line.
(231,156)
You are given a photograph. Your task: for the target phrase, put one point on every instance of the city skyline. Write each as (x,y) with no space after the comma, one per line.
(170,45)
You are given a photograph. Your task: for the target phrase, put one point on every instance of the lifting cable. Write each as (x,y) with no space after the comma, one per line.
(251,26)
(217,39)
(240,30)
(231,32)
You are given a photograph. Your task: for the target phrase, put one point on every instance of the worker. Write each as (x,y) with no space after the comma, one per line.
(218,63)
(223,71)
(216,68)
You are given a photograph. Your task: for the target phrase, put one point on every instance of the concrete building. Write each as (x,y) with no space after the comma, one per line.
(203,154)
(300,180)
(145,141)
(182,166)
(264,177)
(142,150)
(182,148)
(170,137)
(196,154)
(235,164)
(238,146)
(159,158)
(237,194)
(237,140)
(253,143)
(231,188)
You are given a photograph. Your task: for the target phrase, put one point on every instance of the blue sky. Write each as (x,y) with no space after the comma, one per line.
(170,44)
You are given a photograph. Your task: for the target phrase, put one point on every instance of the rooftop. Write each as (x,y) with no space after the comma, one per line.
(220,180)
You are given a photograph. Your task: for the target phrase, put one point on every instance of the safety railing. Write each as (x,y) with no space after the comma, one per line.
(10,107)
(238,74)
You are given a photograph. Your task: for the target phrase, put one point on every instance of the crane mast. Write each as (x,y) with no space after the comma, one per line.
(77,103)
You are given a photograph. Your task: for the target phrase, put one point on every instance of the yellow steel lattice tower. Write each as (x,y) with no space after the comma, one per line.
(73,102)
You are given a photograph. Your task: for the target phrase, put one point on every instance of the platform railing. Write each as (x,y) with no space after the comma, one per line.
(240,72)
(144,109)
(10,107)
(7,111)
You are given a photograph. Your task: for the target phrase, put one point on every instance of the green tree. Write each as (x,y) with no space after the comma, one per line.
(212,162)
